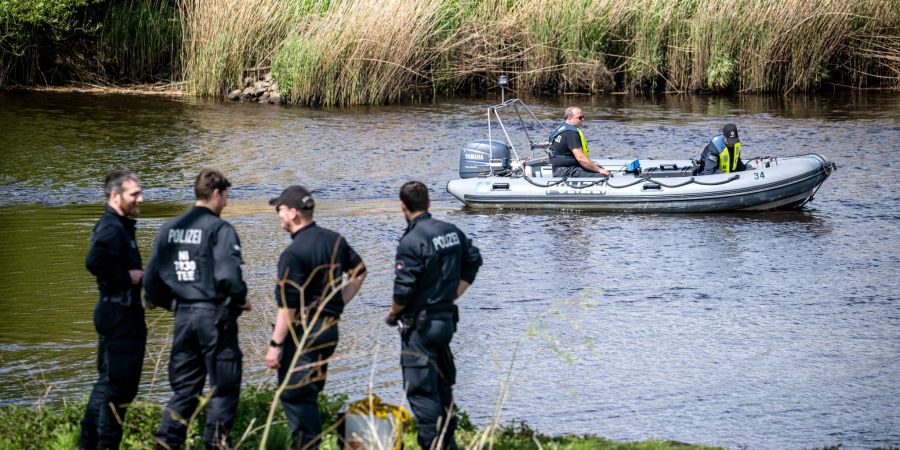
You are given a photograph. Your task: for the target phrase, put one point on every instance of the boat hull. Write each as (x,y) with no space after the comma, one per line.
(787,183)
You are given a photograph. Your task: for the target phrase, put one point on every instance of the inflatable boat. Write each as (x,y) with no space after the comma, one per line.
(493,175)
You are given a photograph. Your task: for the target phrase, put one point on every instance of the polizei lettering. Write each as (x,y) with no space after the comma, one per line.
(185,267)
(188,236)
(450,239)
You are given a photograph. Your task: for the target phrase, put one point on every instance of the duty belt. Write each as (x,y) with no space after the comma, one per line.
(121,298)
(416,320)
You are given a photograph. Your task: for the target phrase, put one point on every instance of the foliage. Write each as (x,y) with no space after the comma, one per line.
(343,52)
(49,41)
(56,428)
(138,38)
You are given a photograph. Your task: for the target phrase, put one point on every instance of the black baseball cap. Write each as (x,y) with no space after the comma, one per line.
(297,197)
(731,134)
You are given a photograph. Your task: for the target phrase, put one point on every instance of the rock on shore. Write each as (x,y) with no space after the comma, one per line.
(264,90)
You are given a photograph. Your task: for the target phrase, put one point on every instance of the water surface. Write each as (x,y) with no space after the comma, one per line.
(771,330)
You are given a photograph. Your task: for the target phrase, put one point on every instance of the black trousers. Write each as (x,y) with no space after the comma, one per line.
(428,376)
(575,172)
(120,357)
(306,378)
(205,342)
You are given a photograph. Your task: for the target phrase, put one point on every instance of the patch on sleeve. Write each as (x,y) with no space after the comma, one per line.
(712,158)
(399,265)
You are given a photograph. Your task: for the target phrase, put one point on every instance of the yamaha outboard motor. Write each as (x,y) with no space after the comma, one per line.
(483,158)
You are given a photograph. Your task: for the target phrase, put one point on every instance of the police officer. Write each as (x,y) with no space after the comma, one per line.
(569,155)
(311,294)
(723,153)
(195,270)
(435,265)
(114,259)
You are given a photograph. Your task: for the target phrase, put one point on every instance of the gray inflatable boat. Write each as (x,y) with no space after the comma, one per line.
(493,175)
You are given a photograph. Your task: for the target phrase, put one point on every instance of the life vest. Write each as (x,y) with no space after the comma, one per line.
(726,164)
(569,127)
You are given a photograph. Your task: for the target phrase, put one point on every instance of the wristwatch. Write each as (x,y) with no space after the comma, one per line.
(272,343)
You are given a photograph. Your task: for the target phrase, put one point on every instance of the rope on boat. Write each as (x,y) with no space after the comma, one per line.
(565,181)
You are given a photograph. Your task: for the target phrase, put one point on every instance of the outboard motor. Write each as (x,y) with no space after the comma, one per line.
(483,158)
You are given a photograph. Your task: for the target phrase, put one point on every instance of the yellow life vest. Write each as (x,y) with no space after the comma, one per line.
(726,164)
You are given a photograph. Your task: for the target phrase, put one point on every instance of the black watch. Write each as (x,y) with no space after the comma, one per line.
(272,343)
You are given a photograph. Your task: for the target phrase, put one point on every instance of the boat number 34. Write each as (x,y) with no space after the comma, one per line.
(758,175)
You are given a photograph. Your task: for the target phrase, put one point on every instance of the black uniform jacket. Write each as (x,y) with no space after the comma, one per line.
(315,261)
(113,252)
(196,257)
(561,149)
(432,258)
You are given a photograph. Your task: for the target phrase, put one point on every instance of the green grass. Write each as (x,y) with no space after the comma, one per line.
(56,427)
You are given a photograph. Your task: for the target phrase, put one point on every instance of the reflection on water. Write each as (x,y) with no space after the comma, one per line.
(766,330)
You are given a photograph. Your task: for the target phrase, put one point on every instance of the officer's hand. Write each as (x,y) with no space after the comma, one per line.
(246,306)
(391,320)
(145,300)
(136,276)
(272,357)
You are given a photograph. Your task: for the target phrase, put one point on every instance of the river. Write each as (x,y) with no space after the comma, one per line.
(762,330)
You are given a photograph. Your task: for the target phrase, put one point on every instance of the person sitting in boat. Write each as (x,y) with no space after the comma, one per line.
(569,151)
(723,153)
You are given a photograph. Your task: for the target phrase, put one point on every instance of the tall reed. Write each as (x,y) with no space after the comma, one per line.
(341,52)
(140,38)
(344,52)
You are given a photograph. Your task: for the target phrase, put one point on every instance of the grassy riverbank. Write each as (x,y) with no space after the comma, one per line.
(339,52)
(56,428)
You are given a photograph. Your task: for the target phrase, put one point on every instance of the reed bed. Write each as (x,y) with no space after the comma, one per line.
(138,38)
(344,52)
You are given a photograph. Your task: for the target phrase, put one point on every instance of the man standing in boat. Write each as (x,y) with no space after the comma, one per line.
(723,153)
(568,149)
(435,265)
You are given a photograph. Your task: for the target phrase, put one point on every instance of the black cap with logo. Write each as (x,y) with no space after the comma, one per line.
(297,197)
(731,134)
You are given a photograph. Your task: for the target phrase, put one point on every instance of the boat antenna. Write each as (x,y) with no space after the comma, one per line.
(504,81)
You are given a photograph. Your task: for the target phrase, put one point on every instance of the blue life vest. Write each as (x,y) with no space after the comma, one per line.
(569,127)
(726,163)
(565,159)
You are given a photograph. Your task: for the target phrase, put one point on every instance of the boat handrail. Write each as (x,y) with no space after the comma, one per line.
(514,103)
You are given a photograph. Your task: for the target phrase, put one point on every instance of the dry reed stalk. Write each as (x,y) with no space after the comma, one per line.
(224,37)
(359,52)
(346,52)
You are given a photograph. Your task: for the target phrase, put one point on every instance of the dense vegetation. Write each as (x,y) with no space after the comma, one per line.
(56,428)
(337,52)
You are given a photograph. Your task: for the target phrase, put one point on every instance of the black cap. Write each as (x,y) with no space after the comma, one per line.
(297,197)
(731,134)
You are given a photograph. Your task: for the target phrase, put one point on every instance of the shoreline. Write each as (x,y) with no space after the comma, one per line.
(56,426)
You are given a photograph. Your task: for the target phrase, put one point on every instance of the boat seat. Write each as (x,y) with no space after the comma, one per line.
(537,168)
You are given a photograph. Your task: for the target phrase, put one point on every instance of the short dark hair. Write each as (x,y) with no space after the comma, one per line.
(414,196)
(208,180)
(114,180)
